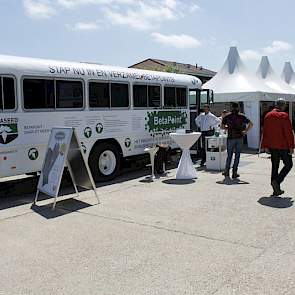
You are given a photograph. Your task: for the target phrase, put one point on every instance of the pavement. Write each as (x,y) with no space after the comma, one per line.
(207,236)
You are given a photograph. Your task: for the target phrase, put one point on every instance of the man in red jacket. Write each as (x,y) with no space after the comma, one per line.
(278,139)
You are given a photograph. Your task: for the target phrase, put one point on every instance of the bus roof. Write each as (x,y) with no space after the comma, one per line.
(23,66)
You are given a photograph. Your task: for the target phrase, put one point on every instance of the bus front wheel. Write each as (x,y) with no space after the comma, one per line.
(104,162)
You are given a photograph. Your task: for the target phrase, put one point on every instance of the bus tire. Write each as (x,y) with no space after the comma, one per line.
(104,162)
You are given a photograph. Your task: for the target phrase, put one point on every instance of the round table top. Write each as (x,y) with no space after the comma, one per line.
(185,140)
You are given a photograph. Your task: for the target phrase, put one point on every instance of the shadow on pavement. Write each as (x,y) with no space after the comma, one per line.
(148,178)
(229,181)
(276,202)
(178,181)
(62,208)
(22,191)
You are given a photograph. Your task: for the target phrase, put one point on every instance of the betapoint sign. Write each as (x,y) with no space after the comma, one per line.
(167,120)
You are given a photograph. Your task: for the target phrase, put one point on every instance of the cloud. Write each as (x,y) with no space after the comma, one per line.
(178,41)
(143,16)
(76,3)
(277,46)
(83,26)
(194,7)
(170,4)
(140,14)
(39,9)
(136,14)
(250,54)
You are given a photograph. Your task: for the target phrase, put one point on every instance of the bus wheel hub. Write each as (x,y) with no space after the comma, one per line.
(107,162)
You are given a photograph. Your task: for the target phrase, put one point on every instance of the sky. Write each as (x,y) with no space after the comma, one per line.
(124,32)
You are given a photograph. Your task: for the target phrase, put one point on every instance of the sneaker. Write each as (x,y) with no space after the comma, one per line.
(277,194)
(276,189)
(225,173)
(235,175)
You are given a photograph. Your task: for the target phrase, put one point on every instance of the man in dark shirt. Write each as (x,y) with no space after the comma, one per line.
(278,139)
(237,125)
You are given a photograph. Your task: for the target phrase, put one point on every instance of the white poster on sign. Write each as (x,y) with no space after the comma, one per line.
(64,149)
(54,162)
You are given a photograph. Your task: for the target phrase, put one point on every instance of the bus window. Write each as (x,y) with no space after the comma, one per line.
(193,99)
(140,96)
(99,95)
(154,96)
(69,94)
(181,97)
(169,97)
(38,94)
(119,95)
(203,98)
(8,93)
(1,98)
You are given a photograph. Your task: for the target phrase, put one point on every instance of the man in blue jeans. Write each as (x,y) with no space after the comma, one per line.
(237,125)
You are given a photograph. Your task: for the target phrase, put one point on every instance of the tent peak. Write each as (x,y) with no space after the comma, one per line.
(233,59)
(264,68)
(288,72)
(266,74)
(234,77)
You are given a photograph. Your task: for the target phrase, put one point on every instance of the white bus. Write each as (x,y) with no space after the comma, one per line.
(117,112)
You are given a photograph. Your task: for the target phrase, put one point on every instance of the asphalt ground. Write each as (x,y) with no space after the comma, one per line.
(206,236)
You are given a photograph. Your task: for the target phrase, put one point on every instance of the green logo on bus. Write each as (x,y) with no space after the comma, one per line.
(33,154)
(127,142)
(160,121)
(87,132)
(8,130)
(99,128)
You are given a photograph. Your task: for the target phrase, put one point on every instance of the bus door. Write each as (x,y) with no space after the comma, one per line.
(197,99)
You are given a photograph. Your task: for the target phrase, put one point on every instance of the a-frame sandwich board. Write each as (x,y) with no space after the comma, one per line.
(64,149)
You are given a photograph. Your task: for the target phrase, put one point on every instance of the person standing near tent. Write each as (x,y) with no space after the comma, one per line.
(206,122)
(237,126)
(278,139)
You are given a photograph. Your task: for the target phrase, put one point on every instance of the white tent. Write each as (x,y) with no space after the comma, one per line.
(288,75)
(266,74)
(234,83)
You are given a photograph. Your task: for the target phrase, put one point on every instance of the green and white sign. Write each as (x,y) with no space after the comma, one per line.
(159,121)
(8,130)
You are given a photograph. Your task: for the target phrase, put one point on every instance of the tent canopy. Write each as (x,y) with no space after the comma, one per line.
(266,74)
(234,83)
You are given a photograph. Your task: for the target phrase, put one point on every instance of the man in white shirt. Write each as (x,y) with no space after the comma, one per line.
(206,122)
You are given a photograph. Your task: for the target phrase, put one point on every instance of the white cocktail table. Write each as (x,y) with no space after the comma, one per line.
(185,169)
